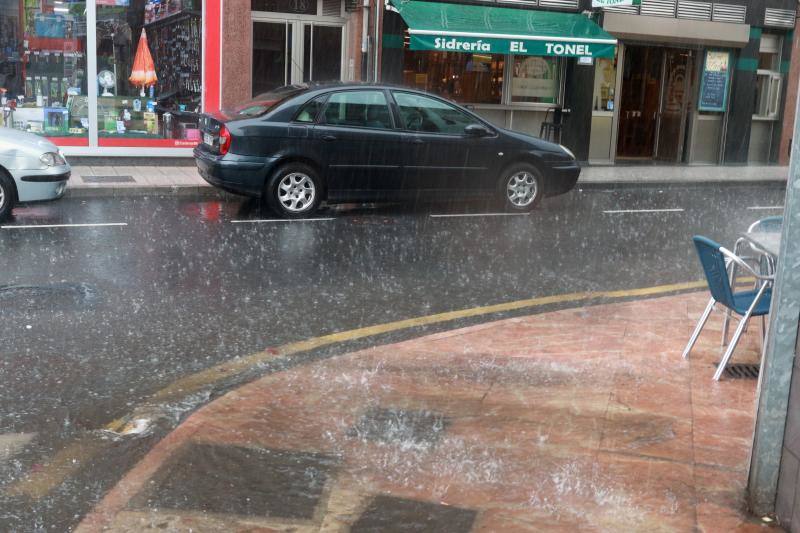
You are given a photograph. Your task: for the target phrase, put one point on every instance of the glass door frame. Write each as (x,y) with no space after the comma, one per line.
(298,22)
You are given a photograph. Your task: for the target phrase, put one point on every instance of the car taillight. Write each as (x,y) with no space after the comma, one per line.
(224,140)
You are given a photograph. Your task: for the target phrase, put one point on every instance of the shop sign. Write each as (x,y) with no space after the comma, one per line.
(614,3)
(448,43)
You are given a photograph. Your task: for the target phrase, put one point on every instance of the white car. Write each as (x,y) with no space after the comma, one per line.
(31,169)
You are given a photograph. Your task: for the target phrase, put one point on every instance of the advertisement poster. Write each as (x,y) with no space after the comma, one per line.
(714,84)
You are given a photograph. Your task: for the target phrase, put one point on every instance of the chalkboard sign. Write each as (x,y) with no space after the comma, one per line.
(714,85)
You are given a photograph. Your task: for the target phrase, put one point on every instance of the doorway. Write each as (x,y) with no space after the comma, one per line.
(289,51)
(656,86)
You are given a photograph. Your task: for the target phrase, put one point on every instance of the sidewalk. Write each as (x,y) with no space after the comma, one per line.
(126,180)
(582,419)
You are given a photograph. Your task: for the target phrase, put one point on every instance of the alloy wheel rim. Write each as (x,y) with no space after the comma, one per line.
(296,192)
(2,197)
(522,189)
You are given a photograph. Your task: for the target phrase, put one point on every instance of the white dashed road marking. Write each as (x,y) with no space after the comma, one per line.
(481,215)
(267,220)
(625,211)
(45,226)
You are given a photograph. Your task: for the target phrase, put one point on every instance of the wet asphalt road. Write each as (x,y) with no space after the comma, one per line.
(95,319)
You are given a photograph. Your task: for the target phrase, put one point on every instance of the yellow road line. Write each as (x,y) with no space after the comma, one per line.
(38,484)
(204,378)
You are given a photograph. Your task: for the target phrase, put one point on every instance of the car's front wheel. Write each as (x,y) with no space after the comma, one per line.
(522,187)
(294,190)
(6,195)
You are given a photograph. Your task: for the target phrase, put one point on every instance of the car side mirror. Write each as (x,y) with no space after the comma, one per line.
(477,130)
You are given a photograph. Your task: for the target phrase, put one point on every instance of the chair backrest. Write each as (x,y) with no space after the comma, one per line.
(768,224)
(714,268)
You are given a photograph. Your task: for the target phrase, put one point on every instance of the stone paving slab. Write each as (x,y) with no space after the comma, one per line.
(580,419)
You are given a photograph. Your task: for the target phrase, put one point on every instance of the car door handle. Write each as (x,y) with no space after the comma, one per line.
(329,137)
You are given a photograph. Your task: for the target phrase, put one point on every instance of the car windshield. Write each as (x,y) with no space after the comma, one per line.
(264,102)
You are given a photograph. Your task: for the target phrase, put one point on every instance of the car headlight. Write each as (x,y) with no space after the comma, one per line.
(52,159)
(567,151)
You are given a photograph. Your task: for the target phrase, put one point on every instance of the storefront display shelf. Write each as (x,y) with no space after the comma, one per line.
(174,17)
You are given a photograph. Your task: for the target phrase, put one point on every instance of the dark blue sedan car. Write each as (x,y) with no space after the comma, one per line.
(300,145)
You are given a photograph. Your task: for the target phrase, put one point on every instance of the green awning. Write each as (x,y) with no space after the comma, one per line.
(501,30)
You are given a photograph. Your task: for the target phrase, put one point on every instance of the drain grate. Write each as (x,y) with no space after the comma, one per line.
(386,514)
(237,480)
(742,371)
(108,179)
(400,426)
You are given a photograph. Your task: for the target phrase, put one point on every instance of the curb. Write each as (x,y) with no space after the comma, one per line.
(204,191)
(596,184)
(207,191)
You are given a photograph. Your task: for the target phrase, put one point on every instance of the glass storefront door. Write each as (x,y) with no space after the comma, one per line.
(674,99)
(287,51)
(639,103)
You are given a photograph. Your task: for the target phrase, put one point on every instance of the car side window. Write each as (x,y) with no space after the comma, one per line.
(420,113)
(308,113)
(363,109)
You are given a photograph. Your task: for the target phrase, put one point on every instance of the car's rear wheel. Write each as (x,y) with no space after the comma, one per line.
(522,187)
(6,195)
(294,190)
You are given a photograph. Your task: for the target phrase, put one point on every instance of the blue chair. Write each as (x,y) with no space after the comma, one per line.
(716,262)
(764,261)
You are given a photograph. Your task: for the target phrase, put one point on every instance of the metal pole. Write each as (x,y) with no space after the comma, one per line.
(91,70)
(777,366)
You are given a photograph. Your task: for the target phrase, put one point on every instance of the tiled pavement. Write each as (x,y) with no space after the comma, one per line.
(583,419)
(124,180)
(113,180)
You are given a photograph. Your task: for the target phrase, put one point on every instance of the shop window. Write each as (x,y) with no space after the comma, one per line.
(467,78)
(132,103)
(365,109)
(769,78)
(43,67)
(272,55)
(605,84)
(535,80)
(322,53)
(419,113)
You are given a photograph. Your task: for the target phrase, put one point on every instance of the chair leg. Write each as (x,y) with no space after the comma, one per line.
(726,323)
(700,324)
(738,333)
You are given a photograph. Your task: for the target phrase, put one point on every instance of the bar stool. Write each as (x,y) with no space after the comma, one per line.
(550,130)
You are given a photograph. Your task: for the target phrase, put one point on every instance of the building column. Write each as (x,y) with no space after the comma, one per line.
(578,96)
(743,92)
(237,52)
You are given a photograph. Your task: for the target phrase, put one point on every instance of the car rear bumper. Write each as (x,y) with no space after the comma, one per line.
(41,184)
(562,178)
(237,174)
